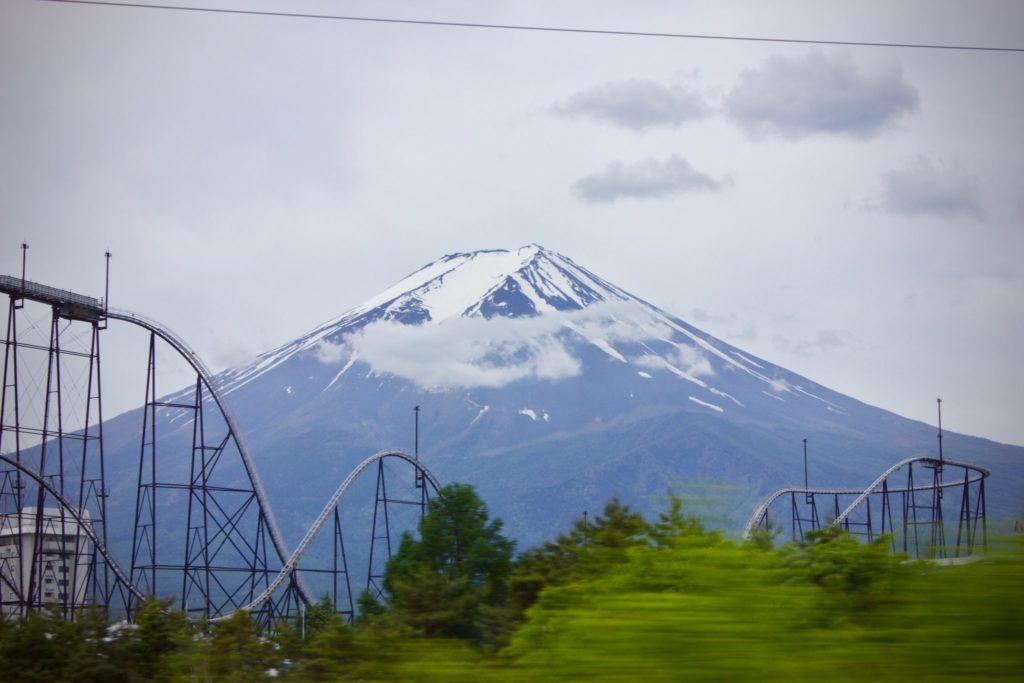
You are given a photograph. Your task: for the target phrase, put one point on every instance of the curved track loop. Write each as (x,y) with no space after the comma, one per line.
(862,494)
(82,524)
(981,473)
(293,561)
(197,364)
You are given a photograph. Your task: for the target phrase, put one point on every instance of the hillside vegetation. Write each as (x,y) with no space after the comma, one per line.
(615,598)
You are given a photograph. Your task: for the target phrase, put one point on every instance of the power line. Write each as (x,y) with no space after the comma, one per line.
(523,27)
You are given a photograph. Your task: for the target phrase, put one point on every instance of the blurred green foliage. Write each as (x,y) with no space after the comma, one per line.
(615,598)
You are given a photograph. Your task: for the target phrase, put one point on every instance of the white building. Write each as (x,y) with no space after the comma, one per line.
(62,569)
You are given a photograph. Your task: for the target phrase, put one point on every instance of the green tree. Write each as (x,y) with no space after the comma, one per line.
(367,607)
(160,638)
(673,526)
(854,575)
(617,528)
(590,548)
(238,653)
(330,653)
(35,649)
(451,581)
(294,637)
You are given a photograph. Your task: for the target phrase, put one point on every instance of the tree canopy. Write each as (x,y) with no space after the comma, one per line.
(451,581)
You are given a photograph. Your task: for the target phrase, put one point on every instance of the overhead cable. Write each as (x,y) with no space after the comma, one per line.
(524,27)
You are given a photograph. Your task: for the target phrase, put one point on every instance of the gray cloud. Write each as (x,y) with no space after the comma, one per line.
(825,341)
(930,189)
(728,326)
(637,104)
(642,180)
(818,94)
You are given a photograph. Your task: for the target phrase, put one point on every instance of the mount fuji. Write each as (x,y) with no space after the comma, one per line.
(551,389)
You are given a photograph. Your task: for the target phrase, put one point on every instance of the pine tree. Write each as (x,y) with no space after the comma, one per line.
(451,582)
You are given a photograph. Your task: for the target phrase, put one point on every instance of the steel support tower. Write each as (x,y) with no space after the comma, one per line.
(51,425)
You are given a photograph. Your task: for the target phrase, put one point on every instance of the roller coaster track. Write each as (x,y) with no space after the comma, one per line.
(759,514)
(197,567)
(83,524)
(197,364)
(292,564)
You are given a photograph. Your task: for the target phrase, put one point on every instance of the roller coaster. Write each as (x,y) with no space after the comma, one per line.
(200,532)
(203,533)
(904,506)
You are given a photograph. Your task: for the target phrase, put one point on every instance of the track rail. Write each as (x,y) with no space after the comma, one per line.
(292,564)
(981,473)
(862,494)
(193,359)
(83,524)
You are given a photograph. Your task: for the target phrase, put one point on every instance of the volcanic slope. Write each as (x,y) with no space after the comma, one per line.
(550,390)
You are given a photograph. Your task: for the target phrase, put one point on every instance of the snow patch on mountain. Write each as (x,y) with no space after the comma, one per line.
(325,358)
(747,360)
(718,392)
(483,411)
(706,404)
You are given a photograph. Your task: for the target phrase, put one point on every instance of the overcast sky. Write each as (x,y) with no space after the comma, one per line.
(854,214)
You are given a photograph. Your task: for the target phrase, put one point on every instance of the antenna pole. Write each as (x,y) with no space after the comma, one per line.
(805,464)
(938,402)
(808,497)
(24,258)
(106,291)
(416,447)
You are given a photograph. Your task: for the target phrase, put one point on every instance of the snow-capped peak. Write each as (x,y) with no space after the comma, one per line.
(488,318)
(490,283)
(494,282)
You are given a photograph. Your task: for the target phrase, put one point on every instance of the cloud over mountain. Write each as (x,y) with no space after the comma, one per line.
(481,352)
(931,189)
(818,94)
(643,180)
(636,104)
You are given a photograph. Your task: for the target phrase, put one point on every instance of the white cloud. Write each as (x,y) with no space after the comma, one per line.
(694,361)
(477,352)
(689,359)
(328,352)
